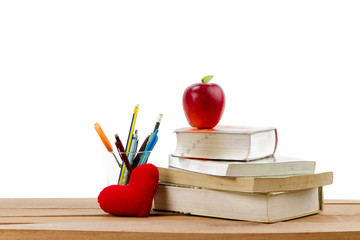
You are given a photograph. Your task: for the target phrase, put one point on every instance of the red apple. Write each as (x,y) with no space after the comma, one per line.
(204,104)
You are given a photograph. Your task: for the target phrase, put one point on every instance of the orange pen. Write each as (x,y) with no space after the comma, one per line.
(105,141)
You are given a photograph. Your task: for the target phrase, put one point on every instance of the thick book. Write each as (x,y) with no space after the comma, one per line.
(271,166)
(226,142)
(269,207)
(245,184)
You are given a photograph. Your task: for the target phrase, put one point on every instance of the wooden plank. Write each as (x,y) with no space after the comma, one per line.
(180,227)
(50,219)
(341,202)
(79,235)
(55,219)
(330,222)
(19,212)
(67,218)
(48,203)
(193,224)
(338,221)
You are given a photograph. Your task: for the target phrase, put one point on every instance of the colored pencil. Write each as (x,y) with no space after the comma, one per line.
(132,126)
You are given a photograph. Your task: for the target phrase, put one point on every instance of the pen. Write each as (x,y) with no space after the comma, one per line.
(122,153)
(105,141)
(150,137)
(149,148)
(140,152)
(133,147)
(157,124)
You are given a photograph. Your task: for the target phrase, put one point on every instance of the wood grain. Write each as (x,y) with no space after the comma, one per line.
(82,219)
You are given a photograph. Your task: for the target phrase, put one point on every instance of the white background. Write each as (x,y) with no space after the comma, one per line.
(65,65)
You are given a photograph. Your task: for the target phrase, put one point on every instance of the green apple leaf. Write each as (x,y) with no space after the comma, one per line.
(207,79)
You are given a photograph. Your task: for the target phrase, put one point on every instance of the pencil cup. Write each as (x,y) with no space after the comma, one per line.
(129,160)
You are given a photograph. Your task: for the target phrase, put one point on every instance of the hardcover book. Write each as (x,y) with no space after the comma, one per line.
(260,168)
(245,184)
(267,207)
(226,143)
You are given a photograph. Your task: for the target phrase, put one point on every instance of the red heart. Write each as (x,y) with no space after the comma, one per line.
(134,199)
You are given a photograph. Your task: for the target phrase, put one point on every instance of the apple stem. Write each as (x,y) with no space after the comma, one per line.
(207,79)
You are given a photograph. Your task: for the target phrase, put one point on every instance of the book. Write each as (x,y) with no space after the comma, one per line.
(245,184)
(267,207)
(270,166)
(226,143)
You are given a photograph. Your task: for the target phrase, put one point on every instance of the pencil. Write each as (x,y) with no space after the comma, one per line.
(132,126)
(130,157)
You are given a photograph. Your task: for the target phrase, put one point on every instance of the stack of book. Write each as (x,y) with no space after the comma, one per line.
(231,172)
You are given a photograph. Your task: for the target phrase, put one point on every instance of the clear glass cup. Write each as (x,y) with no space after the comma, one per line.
(113,170)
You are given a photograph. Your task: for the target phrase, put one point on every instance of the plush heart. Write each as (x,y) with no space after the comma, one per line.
(134,199)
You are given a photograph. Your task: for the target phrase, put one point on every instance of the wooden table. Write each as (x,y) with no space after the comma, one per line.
(82,219)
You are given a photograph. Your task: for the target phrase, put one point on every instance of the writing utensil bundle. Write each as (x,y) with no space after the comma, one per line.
(130,155)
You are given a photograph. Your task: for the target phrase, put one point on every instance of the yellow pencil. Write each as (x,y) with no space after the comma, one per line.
(132,126)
